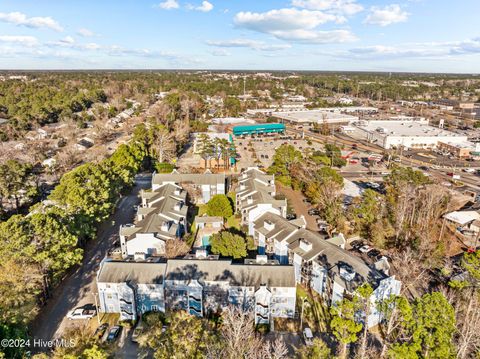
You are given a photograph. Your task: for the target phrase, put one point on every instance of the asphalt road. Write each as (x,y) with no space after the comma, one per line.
(471,182)
(78,288)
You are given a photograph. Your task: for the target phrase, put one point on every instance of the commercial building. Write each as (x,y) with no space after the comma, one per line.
(460,150)
(301,108)
(406,133)
(310,117)
(259,129)
(199,284)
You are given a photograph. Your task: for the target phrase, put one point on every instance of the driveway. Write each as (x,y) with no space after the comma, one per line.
(78,288)
(295,200)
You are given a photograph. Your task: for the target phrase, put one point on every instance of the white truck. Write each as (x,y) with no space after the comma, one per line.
(81,313)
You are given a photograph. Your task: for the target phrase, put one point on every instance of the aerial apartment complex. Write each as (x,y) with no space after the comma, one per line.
(203,284)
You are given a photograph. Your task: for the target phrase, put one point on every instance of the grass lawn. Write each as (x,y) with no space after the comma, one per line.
(315,312)
(202,209)
(233,222)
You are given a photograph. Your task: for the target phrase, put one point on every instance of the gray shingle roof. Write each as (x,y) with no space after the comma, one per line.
(195,178)
(235,274)
(140,273)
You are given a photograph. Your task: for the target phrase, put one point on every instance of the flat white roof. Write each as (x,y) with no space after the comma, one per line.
(462,217)
(312,116)
(407,128)
(212,135)
(231,120)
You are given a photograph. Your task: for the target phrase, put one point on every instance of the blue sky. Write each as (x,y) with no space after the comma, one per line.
(331,35)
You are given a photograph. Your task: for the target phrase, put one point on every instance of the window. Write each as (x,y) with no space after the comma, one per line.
(154,307)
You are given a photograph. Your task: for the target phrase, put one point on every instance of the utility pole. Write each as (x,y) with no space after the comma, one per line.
(96,307)
(244,87)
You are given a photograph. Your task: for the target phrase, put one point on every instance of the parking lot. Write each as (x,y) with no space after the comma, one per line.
(259,151)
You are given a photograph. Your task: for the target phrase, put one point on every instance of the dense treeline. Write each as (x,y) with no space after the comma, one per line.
(437,314)
(50,97)
(37,250)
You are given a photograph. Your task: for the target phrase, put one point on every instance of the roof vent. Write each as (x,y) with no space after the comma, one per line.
(261,259)
(201,254)
(139,256)
(268,225)
(305,245)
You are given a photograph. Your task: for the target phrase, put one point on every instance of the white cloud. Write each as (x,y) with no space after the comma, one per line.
(247,43)
(85,32)
(220,52)
(19,40)
(295,25)
(205,7)
(68,40)
(416,50)
(317,37)
(283,20)
(91,46)
(347,7)
(168,5)
(20,19)
(387,15)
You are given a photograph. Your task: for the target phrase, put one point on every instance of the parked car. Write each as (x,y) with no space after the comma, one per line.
(313,212)
(356,244)
(114,333)
(374,253)
(308,336)
(322,227)
(291,216)
(373,185)
(365,249)
(306,200)
(100,331)
(85,312)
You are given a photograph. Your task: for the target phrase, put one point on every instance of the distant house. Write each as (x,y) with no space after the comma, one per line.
(49,162)
(207,184)
(465,220)
(84,144)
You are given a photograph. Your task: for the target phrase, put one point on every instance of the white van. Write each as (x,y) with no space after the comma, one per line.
(308,336)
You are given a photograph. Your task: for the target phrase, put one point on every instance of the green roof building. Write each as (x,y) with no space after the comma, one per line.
(258,129)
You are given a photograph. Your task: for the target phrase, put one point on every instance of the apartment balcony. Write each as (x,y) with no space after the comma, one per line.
(196,305)
(266,306)
(195,298)
(195,311)
(123,300)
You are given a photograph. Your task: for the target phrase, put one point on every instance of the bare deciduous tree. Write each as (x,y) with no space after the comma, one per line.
(175,248)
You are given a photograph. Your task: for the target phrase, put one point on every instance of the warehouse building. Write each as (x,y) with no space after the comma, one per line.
(406,133)
(314,117)
(259,129)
